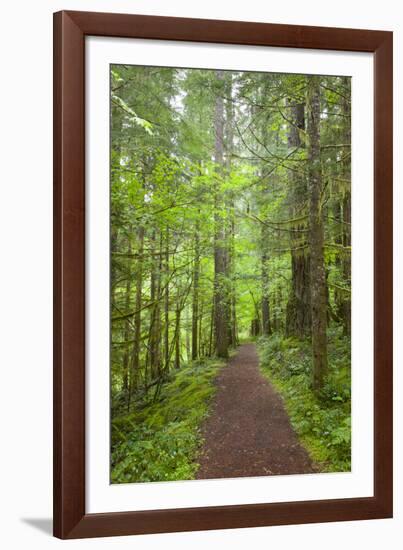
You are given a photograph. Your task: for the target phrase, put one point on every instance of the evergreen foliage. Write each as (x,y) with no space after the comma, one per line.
(230,219)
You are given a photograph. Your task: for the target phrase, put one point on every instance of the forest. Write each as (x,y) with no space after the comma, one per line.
(230,198)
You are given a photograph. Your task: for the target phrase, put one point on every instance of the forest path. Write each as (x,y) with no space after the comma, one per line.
(248,432)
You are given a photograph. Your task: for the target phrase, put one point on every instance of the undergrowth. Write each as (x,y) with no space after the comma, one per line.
(160,440)
(322,420)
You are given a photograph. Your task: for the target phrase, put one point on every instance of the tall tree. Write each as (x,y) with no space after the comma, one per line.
(231,230)
(344,297)
(316,235)
(220,263)
(154,339)
(298,321)
(195,304)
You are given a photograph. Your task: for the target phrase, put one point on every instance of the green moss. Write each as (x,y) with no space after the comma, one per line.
(160,440)
(322,421)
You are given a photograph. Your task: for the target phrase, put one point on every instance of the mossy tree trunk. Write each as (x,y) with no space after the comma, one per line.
(316,236)
(220,260)
(298,313)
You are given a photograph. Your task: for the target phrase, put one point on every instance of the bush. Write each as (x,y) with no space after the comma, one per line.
(161,439)
(323,420)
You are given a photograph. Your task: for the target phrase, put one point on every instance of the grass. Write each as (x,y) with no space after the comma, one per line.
(322,421)
(160,440)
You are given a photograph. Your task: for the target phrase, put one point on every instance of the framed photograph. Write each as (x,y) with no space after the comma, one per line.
(222,272)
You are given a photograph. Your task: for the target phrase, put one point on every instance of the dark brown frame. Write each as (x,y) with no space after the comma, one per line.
(70,30)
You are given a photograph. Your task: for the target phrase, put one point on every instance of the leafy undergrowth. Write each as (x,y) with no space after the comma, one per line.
(323,420)
(161,439)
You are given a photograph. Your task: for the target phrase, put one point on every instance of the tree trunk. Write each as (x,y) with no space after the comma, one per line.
(344,298)
(266,324)
(200,339)
(178,337)
(187,336)
(166,303)
(345,306)
(155,320)
(220,275)
(229,145)
(210,344)
(195,303)
(126,334)
(135,358)
(316,236)
(298,315)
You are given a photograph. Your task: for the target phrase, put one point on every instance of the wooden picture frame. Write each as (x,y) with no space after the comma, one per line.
(70,517)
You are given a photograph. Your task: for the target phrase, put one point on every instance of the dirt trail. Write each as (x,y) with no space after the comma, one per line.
(248,432)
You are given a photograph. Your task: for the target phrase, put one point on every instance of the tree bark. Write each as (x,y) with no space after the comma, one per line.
(135,358)
(178,337)
(195,303)
(316,236)
(155,320)
(187,336)
(266,323)
(220,282)
(298,315)
(229,145)
(166,302)
(126,334)
(344,298)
